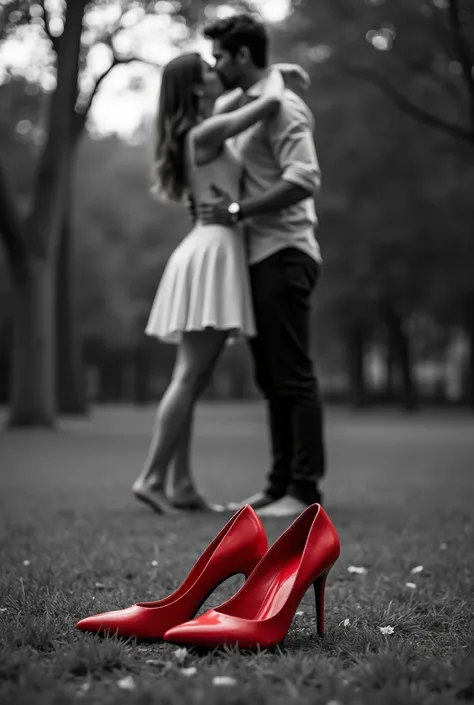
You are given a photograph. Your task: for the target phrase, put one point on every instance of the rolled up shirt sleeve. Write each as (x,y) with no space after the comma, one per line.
(291,138)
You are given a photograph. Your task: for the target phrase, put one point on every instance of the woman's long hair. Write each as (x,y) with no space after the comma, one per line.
(177,114)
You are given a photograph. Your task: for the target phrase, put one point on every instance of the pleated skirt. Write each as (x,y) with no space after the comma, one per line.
(205,285)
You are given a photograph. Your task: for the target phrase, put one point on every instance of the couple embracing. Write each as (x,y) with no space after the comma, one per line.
(236,142)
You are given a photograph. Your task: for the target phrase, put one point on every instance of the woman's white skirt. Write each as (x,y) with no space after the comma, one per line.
(205,285)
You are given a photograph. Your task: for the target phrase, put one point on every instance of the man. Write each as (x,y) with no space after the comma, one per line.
(282,176)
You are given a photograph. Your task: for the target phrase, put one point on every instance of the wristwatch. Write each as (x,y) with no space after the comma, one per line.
(235,212)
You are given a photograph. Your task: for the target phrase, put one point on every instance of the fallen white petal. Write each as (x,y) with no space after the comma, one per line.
(417,569)
(180,654)
(300,613)
(346,622)
(387,630)
(412,586)
(154,563)
(27,563)
(224,680)
(126,683)
(100,586)
(360,570)
(191,671)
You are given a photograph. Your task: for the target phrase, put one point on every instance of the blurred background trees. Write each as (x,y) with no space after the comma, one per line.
(393,97)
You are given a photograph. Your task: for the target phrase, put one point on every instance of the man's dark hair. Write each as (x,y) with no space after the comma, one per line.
(241,31)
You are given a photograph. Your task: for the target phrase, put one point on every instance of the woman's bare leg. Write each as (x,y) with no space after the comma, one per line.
(180,487)
(196,358)
(180,475)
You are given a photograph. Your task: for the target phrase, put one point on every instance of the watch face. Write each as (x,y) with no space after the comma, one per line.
(234,208)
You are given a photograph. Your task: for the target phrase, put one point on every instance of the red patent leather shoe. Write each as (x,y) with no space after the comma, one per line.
(236,549)
(260,613)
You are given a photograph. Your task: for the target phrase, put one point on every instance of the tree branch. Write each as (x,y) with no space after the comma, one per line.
(82,113)
(10,227)
(406,106)
(54,40)
(3,24)
(4,14)
(436,77)
(463,52)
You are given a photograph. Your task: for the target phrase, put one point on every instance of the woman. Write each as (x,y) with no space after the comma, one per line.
(203,299)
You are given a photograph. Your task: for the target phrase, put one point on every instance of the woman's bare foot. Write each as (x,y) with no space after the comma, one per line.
(153,495)
(188,499)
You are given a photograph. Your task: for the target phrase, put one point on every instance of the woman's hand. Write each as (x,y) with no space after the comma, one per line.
(215,211)
(273,88)
(190,204)
(294,76)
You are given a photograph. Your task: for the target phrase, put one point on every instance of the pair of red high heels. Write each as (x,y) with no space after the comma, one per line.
(260,613)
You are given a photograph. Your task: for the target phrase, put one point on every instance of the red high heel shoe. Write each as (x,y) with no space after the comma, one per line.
(260,613)
(236,549)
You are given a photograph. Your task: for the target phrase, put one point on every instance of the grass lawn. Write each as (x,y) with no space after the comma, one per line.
(73,542)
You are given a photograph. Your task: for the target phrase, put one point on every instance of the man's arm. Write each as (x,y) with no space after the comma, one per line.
(291,139)
(283,195)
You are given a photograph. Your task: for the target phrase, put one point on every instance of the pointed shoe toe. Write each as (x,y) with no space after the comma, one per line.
(119,622)
(142,621)
(238,548)
(213,630)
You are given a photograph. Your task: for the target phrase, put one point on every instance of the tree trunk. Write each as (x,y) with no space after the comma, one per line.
(142,375)
(33,390)
(32,380)
(356,349)
(70,375)
(398,338)
(470,371)
(389,368)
